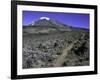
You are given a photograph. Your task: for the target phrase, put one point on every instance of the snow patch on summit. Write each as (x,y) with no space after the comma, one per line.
(45,18)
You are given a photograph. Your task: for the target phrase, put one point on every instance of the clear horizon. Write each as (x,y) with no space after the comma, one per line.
(78,20)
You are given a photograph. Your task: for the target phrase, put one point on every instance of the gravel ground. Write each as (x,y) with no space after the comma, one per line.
(43,50)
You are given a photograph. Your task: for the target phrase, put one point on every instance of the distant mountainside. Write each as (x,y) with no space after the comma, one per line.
(45,25)
(45,21)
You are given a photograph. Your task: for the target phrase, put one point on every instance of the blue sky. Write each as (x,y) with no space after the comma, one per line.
(73,19)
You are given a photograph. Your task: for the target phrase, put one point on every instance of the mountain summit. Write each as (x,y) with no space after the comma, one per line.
(46,25)
(46,18)
(47,22)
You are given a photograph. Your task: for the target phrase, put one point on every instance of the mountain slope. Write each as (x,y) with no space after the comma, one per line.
(45,25)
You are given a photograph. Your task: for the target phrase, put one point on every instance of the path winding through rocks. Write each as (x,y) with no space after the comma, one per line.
(60,60)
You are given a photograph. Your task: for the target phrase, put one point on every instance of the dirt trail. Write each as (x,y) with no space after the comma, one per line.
(65,52)
(61,58)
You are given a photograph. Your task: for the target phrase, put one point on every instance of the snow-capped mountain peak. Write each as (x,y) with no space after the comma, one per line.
(46,18)
(48,22)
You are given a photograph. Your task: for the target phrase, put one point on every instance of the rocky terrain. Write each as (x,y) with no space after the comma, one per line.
(49,43)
